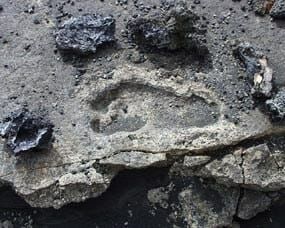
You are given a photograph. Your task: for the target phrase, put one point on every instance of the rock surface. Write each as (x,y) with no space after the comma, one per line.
(252,203)
(132,108)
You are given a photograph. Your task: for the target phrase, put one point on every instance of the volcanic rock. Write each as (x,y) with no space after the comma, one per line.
(176,29)
(25,132)
(84,34)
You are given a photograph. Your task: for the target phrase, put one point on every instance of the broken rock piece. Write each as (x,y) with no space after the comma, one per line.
(278,9)
(25,132)
(86,33)
(251,203)
(257,69)
(276,106)
(178,28)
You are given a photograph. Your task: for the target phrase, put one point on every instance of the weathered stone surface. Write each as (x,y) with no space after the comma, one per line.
(227,170)
(263,169)
(86,33)
(133,111)
(276,106)
(135,159)
(193,161)
(251,203)
(278,9)
(208,205)
(167,104)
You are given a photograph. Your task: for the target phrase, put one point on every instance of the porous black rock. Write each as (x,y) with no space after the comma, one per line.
(24,132)
(257,69)
(276,106)
(278,9)
(174,29)
(84,34)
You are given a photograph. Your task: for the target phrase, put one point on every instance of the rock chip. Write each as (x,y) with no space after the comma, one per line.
(278,9)
(192,161)
(252,203)
(135,159)
(25,132)
(257,69)
(263,169)
(176,29)
(276,106)
(84,34)
(208,205)
(227,171)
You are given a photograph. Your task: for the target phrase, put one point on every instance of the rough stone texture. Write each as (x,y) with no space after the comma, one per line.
(110,114)
(251,203)
(278,9)
(227,170)
(208,205)
(263,169)
(276,106)
(193,161)
(134,159)
(86,33)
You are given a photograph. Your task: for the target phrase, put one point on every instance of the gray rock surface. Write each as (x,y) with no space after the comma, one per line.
(251,203)
(208,205)
(111,113)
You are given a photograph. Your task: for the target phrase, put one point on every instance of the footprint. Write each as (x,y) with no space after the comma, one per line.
(130,106)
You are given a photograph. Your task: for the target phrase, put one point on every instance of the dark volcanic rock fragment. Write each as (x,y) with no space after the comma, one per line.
(86,33)
(26,132)
(257,69)
(278,9)
(276,106)
(175,29)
